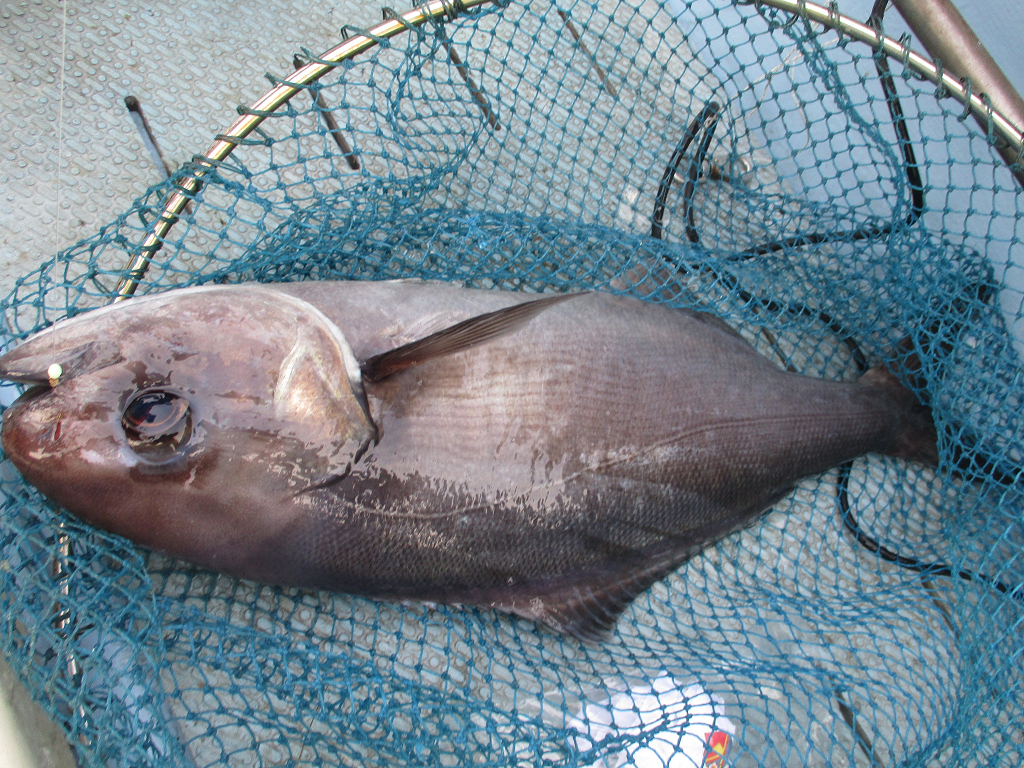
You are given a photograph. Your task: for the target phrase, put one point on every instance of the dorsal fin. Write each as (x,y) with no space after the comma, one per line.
(713,320)
(468,333)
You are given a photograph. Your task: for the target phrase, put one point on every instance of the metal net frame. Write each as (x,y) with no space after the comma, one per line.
(743,159)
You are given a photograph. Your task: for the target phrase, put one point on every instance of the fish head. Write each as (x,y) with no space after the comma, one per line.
(190,421)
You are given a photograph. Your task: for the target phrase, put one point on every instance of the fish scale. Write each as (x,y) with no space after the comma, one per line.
(549,456)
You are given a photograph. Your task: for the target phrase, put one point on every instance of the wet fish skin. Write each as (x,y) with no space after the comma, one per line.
(555,471)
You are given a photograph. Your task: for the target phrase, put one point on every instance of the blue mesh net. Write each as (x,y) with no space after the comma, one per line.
(710,156)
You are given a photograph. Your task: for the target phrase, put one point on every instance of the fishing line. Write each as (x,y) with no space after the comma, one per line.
(62,565)
(60,124)
(700,131)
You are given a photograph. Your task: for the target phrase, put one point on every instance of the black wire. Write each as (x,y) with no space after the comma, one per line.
(843,483)
(898,121)
(813,238)
(859,358)
(911,563)
(694,173)
(705,124)
(706,120)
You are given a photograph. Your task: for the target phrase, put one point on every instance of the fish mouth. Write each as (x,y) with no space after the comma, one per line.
(34,392)
(40,362)
(38,379)
(21,366)
(30,428)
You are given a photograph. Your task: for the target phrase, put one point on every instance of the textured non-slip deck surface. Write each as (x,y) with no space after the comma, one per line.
(822,652)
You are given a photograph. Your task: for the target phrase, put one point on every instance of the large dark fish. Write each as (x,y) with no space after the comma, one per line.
(551,456)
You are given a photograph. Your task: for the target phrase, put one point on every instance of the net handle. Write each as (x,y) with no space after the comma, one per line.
(251,117)
(984,112)
(950,41)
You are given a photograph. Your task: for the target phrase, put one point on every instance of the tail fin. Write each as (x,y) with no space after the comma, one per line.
(916,439)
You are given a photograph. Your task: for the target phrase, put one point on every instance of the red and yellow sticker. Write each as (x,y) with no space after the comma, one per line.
(718,745)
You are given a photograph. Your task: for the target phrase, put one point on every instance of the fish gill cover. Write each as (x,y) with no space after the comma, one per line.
(716,158)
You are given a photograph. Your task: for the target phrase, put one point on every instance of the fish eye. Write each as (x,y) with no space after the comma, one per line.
(157,423)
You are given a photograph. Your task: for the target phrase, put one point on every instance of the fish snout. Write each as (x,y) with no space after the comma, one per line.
(47,359)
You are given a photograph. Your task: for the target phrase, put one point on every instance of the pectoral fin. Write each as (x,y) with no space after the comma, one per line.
(318,395)
(469,333)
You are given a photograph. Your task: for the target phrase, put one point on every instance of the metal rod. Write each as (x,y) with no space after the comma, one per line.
(134,107)
(952,43)
(474,89)
(268,103)
(583,47)
(332,124)
(849,716)
(146,134)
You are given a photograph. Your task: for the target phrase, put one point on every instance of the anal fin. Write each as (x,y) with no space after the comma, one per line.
(588,606)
